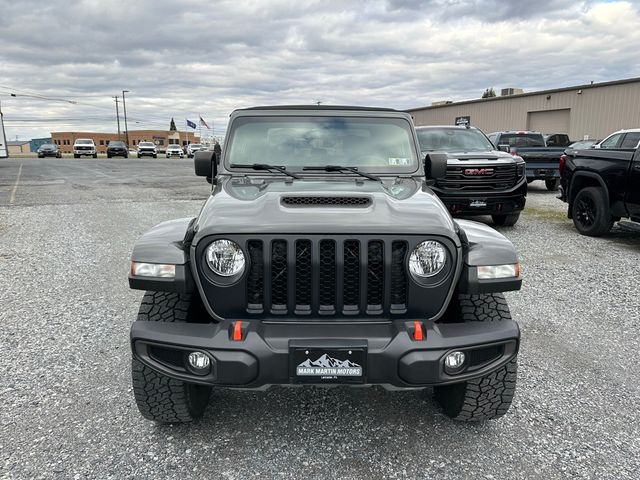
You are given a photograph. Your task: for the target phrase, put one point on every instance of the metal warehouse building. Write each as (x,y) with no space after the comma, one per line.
(584,111)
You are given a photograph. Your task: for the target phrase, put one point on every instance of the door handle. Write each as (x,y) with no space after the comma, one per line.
(637,166)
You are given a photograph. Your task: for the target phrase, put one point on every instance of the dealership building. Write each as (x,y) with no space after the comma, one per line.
(590,111)
(161,138)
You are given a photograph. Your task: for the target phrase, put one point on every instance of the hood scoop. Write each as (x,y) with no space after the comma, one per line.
(302,201)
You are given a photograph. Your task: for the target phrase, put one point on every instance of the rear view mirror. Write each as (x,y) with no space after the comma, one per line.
(435,166)
(504,147)
(205,165)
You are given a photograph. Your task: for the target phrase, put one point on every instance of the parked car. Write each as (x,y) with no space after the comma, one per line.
(541,161)
(579,145)
(84,146)
(117,148)
(174,150)
(622,139)
(49,150)
(192,148)
(323,257)
(601,186)
(148,149)
(480,180)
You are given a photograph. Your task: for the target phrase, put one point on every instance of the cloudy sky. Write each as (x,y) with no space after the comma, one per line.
(66,59)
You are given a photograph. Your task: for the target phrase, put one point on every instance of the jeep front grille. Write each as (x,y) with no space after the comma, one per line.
(479,177)
(324,277)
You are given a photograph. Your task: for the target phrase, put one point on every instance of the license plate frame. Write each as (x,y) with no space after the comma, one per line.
(337,365)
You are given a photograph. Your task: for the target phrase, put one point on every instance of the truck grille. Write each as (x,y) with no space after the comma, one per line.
(479,177)
(316,276)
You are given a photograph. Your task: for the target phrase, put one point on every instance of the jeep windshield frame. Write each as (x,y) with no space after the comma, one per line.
(377,144)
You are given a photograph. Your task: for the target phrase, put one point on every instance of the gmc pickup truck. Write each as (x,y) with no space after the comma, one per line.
(542,160)
(480,180)
(600,187)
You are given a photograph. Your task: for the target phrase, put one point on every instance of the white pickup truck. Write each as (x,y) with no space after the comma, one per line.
(84,146)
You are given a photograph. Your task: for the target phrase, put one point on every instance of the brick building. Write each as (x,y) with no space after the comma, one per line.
(161,138)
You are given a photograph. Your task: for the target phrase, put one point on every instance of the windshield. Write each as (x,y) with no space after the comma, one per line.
(522,139)
(370,144)
(47,145)
(196,145)
(116,144)
(453,140)
(84,142)
(146,144)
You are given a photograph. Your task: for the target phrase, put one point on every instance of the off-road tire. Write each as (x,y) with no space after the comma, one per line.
(161,398)
(590,212)
(552,184)
(486,397)
(508,220)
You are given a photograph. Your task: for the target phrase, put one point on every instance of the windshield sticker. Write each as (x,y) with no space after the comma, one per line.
(395,161)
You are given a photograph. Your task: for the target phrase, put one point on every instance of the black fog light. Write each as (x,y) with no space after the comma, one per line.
(455,362)
(199,363)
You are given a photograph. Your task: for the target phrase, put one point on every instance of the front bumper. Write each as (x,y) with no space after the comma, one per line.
(262,358)
(84,152)
(142,153)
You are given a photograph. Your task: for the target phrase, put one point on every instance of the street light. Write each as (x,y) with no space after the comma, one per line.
(124,107)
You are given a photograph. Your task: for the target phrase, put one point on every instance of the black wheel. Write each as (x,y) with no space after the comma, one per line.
(159,397)
(126,156)
(108,156)
(529,180)
(139,155)
(155,155)
(76,156)
(590,213)
(59,155)
(552,184)
(508,220)
(95,155)
(486,397)
(40,156)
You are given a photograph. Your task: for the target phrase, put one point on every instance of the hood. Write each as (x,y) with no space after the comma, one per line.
(400,206)
(493,156)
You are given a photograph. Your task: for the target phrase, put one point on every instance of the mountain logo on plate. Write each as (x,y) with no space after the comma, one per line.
(329,366)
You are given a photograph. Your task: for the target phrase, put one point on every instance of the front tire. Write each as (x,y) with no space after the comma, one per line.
(76,156)
(590,212)
(508,220)
(486,397)
(95,155)
(158,397)
(552,184)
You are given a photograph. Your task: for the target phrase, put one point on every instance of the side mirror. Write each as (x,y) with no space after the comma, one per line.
(504,147)
(205,165)
(435,166)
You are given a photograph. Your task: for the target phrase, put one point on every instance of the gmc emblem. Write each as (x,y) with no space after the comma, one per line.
(478,171)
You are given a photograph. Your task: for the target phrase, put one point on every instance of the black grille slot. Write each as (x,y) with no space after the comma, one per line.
(375,276)
(279,277)
(326,201)
(398,277)
(351,276)
(327,288)
(479,177)
(303,277)
(255,277)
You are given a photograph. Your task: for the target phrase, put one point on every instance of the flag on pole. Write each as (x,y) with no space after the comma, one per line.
(203,123)
(191,124)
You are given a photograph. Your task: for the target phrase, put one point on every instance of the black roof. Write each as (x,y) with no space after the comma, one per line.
(320,107)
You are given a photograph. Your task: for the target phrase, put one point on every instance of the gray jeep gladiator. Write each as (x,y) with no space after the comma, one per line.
(323,257)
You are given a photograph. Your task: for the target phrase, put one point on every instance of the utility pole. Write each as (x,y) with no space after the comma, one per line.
(117,116)
(124,107)
(4,149)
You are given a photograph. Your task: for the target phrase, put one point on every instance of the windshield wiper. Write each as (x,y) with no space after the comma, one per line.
(264,166)
(339,168)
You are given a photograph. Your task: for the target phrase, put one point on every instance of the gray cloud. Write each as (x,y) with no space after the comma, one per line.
(199,57)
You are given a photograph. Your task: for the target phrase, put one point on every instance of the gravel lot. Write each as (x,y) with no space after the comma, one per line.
(67,410)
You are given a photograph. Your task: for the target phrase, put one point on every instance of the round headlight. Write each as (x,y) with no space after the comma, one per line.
(427,259)
(225,258)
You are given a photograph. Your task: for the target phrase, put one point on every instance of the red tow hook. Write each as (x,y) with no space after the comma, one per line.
(418,334)
(236,334)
